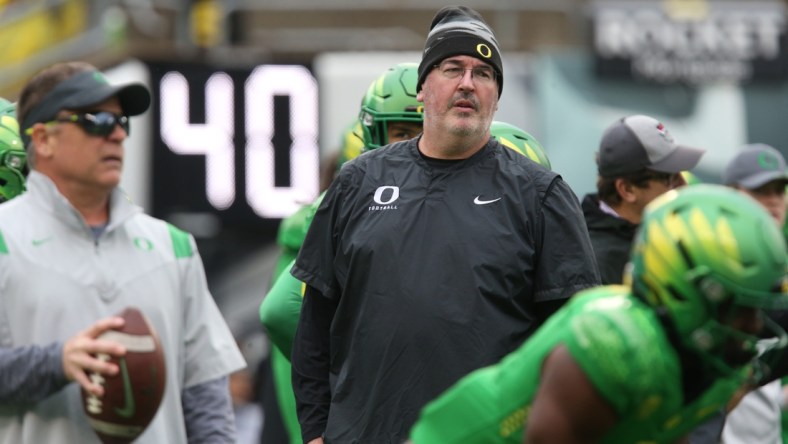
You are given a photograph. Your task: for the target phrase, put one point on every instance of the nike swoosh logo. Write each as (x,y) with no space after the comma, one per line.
(128,409)
(37,242)
(478,201)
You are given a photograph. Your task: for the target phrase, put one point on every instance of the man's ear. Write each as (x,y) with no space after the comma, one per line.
(625,189)
(40,138)
(420,95)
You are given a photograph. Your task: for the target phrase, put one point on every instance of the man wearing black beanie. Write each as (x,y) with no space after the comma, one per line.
(459,30)
(431,257)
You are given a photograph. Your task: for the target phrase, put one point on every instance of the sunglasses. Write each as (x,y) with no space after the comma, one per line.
(100,123)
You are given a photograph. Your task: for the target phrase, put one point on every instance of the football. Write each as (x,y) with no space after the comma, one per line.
(132,396)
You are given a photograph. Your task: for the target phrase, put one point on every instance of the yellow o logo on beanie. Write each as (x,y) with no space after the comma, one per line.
(484,50)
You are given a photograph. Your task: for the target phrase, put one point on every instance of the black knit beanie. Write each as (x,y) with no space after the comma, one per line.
(459,30)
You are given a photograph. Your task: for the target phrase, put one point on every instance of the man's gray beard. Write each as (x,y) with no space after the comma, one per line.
(463,132)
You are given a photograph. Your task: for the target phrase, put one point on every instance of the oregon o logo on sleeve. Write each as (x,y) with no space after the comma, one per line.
(484,50)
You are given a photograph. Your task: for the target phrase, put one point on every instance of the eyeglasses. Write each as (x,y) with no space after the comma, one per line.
(100,123)
(482,74)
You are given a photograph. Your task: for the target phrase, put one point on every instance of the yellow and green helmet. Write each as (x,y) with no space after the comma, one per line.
(702,251)
(12,154)
(514,138)
(391,97)
(351,144)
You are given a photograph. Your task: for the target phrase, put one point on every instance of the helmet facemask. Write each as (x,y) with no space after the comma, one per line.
(724,344)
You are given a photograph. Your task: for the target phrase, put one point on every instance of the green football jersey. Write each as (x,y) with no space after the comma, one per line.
(291,234)
(622,347)
(289,237)
(281,308)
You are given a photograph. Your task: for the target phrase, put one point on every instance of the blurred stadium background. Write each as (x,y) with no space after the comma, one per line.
(249,95)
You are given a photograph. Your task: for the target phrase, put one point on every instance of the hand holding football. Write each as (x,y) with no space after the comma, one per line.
(132,396)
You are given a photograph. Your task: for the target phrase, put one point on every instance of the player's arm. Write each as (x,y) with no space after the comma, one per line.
(567,407)
(311,364)
(31,373)
(280,310)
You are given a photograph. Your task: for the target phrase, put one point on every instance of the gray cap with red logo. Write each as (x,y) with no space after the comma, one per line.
(639,142)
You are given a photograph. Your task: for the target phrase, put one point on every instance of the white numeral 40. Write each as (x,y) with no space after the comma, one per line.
(214,138)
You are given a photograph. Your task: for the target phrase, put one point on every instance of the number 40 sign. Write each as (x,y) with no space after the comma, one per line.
(214,139)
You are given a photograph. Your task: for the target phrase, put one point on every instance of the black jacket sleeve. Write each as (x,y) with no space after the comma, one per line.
(311,363)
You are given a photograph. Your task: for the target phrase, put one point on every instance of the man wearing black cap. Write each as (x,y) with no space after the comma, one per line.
(431,257)
(637,161)
(74,251)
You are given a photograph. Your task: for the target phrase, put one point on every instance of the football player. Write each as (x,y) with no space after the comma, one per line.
(645,362)
(389,111)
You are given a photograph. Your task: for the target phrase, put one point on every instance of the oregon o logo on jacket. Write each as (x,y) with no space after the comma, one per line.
(383,197)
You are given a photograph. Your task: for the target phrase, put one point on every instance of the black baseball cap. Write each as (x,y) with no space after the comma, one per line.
(639,142)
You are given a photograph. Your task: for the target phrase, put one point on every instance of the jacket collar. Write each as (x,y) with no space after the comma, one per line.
(44,192)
